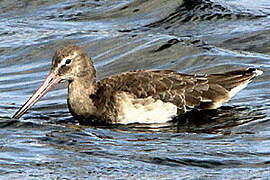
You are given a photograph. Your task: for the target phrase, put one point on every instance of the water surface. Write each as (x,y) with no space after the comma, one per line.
(195,36)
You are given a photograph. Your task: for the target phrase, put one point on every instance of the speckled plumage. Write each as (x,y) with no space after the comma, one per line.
(92,101)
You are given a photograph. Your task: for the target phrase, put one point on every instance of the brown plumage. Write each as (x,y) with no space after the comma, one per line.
(123,97)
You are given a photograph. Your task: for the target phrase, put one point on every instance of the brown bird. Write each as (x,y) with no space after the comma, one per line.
(143,96)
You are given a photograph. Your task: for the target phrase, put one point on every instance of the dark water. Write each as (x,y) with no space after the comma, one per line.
(232,142)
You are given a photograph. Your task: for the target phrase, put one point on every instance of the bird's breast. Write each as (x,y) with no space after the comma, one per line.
(79,102)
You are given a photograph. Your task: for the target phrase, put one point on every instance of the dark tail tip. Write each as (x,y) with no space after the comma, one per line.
(255,71)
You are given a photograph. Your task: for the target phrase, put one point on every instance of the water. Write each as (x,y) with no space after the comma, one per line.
(199,36)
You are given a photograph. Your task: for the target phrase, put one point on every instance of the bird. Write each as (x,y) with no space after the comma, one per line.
(139,96)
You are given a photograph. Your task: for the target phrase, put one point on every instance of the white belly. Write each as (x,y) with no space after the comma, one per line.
(143,110)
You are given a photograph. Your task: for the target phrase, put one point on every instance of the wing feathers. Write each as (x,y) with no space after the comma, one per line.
(202,91)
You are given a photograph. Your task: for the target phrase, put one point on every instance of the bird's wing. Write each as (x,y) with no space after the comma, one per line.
(180,89)
(184,90)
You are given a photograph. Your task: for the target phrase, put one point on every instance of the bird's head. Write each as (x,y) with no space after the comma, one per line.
(68,63)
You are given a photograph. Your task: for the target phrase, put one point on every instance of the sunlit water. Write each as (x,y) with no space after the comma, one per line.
(198,36)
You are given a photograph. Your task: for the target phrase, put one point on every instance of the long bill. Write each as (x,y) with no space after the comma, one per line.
(51,80)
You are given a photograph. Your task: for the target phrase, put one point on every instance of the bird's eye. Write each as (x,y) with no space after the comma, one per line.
(68,61)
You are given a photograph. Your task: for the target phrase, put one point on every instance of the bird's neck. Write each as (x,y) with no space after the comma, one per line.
(85,85)
(79,101)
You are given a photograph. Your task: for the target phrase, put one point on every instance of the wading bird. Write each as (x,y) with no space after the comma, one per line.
(143,96)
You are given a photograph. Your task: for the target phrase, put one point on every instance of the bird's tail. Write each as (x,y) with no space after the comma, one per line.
(222,87)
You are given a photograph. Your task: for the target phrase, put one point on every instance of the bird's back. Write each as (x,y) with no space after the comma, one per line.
(175,92)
